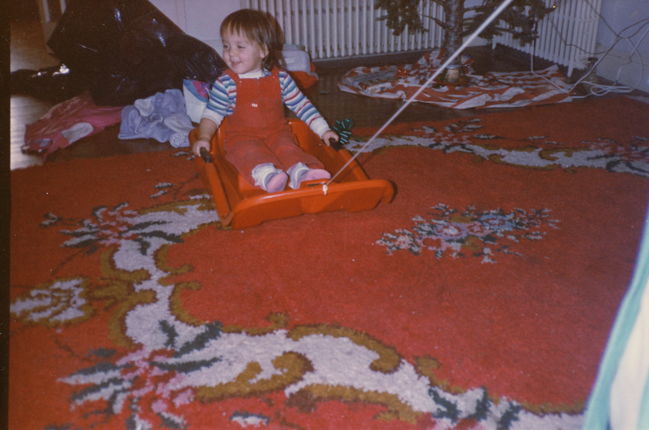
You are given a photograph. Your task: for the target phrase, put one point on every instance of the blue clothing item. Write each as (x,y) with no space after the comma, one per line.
(196,95)
(620,397)
(161,117)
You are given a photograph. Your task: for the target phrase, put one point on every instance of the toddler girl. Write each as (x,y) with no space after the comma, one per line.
(250,96)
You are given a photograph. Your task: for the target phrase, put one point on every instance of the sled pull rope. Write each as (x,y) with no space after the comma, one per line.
(450,59)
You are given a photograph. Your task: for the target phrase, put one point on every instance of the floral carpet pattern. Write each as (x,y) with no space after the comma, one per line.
(547,151)
(148,315)
(175,364)
(449,232)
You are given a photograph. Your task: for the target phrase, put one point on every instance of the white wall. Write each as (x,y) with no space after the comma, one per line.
(623,64)
(199,18)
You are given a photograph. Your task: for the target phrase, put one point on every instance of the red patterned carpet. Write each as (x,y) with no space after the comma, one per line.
(480,298)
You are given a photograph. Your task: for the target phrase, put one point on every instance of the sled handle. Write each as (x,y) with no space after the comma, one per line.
(335,144)
(206,156)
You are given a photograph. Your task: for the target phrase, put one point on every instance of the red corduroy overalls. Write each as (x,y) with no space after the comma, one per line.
(257,131)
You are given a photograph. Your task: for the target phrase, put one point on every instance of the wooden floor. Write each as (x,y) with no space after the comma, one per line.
(28,51)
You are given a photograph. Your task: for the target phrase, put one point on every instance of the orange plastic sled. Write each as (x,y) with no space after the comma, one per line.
(240,204)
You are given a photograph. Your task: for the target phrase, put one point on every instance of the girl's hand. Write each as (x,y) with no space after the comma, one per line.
(329,134)
(200,144)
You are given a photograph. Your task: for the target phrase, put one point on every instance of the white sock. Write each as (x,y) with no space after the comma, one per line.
(295,174)
(262,173)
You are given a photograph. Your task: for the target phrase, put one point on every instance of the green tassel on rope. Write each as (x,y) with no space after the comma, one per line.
(344,129)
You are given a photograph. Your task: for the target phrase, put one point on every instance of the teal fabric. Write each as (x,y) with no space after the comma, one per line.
(597,413)
(643,418)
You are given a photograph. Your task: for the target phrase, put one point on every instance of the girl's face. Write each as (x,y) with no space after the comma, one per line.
(241,54)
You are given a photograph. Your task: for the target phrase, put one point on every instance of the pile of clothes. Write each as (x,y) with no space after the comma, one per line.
(161,117)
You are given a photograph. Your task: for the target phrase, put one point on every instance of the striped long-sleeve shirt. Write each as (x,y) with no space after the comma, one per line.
(223,99)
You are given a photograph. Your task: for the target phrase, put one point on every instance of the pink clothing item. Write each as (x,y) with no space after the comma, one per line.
(68,122)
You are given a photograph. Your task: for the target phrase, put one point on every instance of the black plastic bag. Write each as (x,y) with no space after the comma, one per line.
(127,49)
(56,83)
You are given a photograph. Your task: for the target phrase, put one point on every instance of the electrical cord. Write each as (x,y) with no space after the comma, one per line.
(595,88)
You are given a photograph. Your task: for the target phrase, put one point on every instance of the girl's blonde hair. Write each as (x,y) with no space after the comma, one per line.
(260,27)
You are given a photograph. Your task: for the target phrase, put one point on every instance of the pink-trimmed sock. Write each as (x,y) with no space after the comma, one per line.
(277,182)
(300,172)
(269,178)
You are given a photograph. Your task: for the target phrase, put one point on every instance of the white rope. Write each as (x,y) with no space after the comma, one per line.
(450,59)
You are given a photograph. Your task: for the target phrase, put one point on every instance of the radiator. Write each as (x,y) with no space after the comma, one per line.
(331,29)
(348,28)
(567,36)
